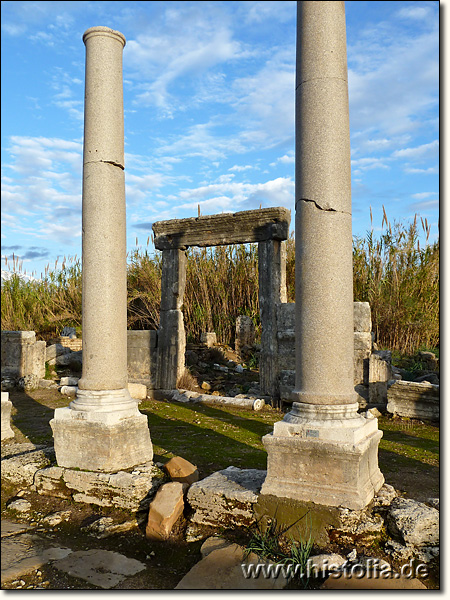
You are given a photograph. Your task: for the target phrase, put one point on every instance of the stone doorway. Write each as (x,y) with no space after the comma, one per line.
(269,227)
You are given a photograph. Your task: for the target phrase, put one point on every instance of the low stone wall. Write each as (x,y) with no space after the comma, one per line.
(414,400)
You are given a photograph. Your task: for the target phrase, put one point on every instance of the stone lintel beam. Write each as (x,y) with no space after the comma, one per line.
(219,230)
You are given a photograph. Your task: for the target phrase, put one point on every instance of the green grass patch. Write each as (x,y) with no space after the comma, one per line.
(209,436)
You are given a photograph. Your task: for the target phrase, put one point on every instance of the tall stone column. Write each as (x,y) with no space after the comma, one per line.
(323,450)
(102,429)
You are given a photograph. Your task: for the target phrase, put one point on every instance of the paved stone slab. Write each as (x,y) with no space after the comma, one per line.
(10,528)
(23,553)
(221,570)
(102,568)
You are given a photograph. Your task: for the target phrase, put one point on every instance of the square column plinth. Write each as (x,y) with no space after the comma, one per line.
(331,461)
(101,440)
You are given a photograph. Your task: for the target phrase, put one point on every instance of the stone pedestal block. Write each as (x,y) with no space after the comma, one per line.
(101,441)
(327,455)
(7,432)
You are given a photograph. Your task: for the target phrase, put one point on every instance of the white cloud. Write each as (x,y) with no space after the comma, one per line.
(423,195)
(368,163)
(415,13)
(419,153)
(393,79)
(423,206)
(237,196)
(429,171)
(240,168)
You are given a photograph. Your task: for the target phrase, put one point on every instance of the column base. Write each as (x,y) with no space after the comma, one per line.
(101,441)
(333,462)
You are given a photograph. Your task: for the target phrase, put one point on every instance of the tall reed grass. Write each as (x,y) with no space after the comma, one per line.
(398,277)
(44,305)
(400,280)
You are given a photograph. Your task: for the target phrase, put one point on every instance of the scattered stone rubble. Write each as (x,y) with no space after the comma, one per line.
(225,500)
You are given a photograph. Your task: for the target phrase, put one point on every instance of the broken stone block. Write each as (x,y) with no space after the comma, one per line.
(69,381)
(362,318)
(70,359)
(430,377)
(51,352)
(181,470)
(69,390)
(142,357)
(245,333)
(414,523)
(213,543)
(138,391)
(22,355)
(226,498)
(7,432)
(130,491)
(379,375)
(208,338)
(414,400)
(20,505)
(384,496)
(429,360)
(362,342)
(165,510)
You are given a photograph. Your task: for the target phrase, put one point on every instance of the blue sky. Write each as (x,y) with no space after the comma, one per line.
(209,114)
